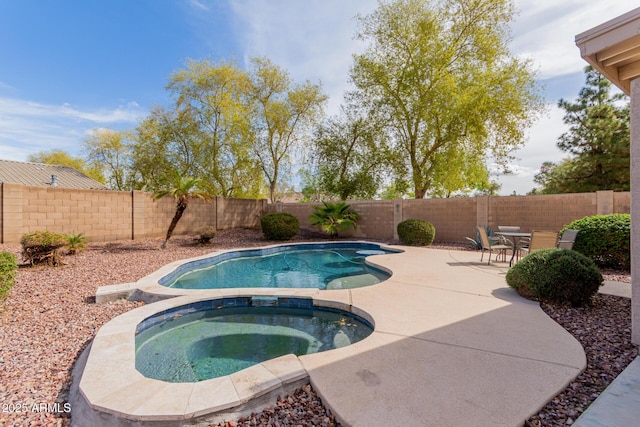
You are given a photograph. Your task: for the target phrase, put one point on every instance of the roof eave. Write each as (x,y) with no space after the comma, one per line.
(613,48)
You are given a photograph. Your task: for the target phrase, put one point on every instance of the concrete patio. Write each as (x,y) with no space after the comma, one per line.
(453,346)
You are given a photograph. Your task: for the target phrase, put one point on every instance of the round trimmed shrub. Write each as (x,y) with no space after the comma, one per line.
(279,226)
(606,239)
(557,276)
(416,232)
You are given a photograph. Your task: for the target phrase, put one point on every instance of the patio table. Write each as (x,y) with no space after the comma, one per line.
(515,238)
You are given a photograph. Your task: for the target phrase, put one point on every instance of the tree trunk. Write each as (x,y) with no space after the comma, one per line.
(179,211)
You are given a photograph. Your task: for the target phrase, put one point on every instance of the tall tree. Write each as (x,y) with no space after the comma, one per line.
(108,150)
(597,140)
(166,141)
(182,189)
(443,75)
(351,154)
(283,112)
(213,101)
(62,158)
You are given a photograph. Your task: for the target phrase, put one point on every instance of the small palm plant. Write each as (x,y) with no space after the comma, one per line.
(182,189)
(333,217)
(76,242)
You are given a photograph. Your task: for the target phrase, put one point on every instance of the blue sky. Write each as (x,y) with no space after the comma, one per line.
(74,65)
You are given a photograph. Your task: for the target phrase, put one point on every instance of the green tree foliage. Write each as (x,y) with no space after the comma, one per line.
(282,113)
(442,76)
(205,134)
(351,155)
(62,158)
(165,142)
(182,189)
(108,150)
(597,140)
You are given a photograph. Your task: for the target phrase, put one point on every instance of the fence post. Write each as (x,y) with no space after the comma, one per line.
(482,211)
(397,216)
(604,202)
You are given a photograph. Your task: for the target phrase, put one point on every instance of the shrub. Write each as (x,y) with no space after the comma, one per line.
(8,269)
(279,226)
(333,217)
(43,247)
(76,242)
(416,232)
(557,276)
(606,239)
(206,233)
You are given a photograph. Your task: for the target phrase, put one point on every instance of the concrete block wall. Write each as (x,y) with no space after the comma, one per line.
(456,218)
(542,212)
(452,218)
(104,215)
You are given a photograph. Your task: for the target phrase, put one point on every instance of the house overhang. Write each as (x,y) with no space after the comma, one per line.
(613,48)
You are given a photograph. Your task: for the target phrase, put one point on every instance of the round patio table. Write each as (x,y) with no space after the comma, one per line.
(515,238)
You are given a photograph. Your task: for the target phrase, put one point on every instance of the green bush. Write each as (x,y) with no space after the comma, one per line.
(43,247)
(206,233)
(557,276)
(606,239)
(8,268)
(416,232)
(279,226)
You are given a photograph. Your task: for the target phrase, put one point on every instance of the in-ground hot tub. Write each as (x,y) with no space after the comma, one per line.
(214,338)
(113,390)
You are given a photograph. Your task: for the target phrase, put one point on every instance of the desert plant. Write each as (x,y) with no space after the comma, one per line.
(476,241)
(333,217)
(76,242)
(279,226)
(43,247)
(206,233)
(182,189)
(606,239)
(8,269)
(416,232)
(557,276)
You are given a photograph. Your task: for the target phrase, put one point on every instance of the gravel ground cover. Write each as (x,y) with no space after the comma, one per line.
(51,315)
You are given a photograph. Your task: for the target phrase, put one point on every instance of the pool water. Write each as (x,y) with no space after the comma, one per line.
(216,342)
(322,267)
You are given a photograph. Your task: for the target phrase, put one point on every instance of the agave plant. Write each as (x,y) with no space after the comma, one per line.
(333,217)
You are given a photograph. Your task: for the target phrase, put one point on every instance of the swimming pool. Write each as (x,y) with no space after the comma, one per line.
(336,265)
(219,337)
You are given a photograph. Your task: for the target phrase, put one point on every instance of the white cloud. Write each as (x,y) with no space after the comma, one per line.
(312,39)
(545,31)
(198,5)
(35,127)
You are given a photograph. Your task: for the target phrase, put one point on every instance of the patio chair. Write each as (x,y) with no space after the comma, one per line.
(567,239)
(540,240)
(489,246)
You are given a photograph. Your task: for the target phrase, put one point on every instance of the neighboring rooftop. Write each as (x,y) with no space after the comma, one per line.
(42,175)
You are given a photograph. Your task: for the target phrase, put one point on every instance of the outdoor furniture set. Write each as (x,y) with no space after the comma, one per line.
(518,242)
